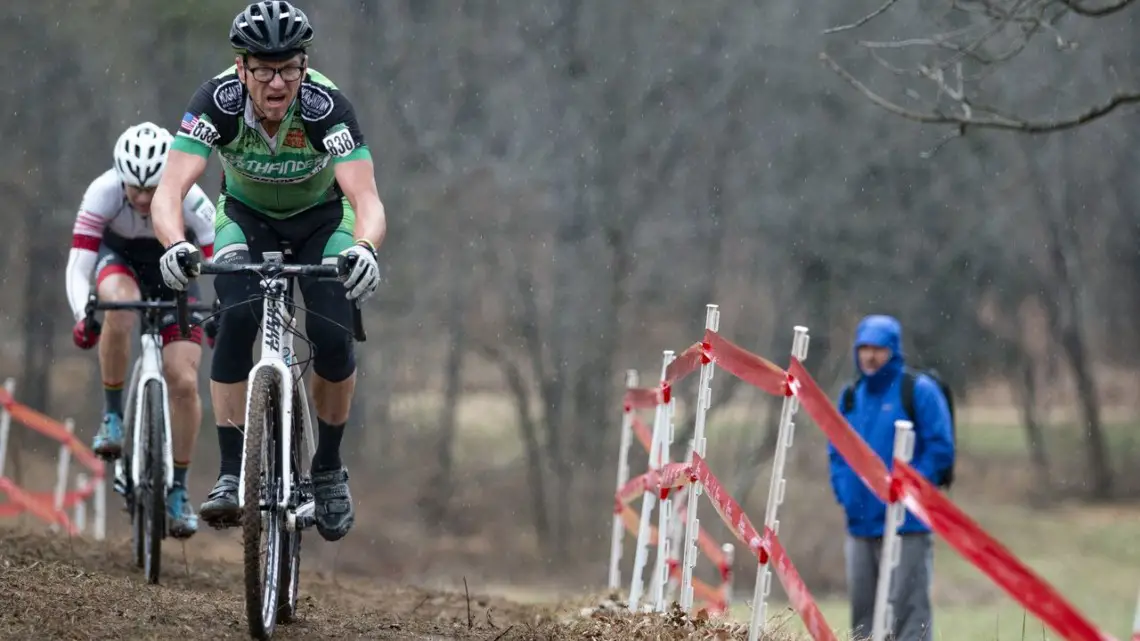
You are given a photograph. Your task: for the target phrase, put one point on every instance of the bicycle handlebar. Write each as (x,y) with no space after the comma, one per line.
(268,269)
(271,269)
(141,305)
(180,304)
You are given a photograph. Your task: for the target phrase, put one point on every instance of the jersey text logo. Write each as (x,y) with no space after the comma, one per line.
(316,103)
(283,172)
(228,96)
(340,143)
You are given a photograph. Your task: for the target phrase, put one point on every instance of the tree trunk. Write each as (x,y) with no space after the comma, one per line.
(552,384)
(1034,438)
(532,449)
(439,491)
(1100,466)
(1065,256)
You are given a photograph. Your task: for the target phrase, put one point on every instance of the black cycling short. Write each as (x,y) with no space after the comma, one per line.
(311,237)
(140,264)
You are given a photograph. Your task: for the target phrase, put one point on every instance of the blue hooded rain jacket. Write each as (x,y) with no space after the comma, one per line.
(877,405)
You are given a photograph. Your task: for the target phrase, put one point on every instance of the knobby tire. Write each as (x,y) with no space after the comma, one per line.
(155,497)
(131,423)
(263,594)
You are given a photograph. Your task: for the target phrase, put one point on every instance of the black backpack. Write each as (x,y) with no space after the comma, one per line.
(847,401)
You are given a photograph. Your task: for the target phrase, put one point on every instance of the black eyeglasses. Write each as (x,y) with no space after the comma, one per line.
(266,74)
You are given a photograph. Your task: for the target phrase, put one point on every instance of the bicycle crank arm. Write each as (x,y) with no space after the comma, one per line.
(302,518)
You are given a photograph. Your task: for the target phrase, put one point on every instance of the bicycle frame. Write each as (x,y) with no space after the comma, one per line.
(277,354)
(278,325)
(148,367)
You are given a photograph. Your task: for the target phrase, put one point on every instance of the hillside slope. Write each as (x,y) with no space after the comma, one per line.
(53,586)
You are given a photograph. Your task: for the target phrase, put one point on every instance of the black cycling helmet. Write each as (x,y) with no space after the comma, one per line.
(271,29)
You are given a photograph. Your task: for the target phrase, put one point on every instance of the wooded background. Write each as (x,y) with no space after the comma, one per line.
(568,184)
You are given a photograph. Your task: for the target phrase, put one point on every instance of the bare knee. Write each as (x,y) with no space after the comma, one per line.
(180,368)
(118,323)
(118,288)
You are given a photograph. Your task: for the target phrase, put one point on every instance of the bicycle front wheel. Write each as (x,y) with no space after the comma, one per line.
(133,496)
(264,536)
(154,497)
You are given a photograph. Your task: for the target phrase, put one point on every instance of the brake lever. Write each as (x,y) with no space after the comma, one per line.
(94,327)
(191,264)
(344,266)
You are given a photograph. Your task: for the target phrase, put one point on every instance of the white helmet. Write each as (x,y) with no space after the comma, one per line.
(140,154)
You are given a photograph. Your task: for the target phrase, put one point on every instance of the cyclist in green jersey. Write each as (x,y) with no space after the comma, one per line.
(297,172)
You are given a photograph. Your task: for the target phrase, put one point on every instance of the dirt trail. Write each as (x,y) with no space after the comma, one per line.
(56,587)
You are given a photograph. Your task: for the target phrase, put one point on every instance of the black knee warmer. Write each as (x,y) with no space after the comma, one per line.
(331,332)
(238,325)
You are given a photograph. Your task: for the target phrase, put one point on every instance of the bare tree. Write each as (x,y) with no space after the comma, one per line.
(942,74)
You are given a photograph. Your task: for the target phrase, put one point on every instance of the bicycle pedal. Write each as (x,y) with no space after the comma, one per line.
(304,517)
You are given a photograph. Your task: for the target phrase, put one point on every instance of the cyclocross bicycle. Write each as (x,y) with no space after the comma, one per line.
(145,472)
(279,501)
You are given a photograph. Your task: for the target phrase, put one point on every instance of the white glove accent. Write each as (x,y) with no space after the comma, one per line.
(365,276)
(172,273)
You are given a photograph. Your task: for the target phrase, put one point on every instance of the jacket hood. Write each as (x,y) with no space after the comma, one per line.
(879,330)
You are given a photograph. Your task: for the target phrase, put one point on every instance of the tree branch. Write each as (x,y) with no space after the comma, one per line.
(865,19)
(1078,8)
(993,121)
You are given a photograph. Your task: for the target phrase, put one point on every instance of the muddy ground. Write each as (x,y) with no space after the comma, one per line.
(58,587)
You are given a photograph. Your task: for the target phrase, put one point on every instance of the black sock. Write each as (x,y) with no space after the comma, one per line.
(328,446)
(231,440)
(113,398)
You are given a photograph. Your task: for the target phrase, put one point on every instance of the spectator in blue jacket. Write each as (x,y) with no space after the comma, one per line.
(880,363)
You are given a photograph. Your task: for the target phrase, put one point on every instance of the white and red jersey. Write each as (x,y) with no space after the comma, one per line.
(106,218)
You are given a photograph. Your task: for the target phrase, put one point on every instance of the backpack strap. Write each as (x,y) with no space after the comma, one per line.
(907,393)
(847,400)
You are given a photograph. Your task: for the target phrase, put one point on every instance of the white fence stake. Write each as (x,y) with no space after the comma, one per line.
(889,555)
(618,533)
(6,423)
(676,536)
(776,490)
(712,322)
(101,509)
(665,513)
(80,510)
(61,471)
(648,499)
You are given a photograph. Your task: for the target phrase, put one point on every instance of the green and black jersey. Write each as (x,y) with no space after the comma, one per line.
(281,176)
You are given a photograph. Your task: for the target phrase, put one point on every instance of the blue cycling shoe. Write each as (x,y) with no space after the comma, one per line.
(108,442)
(181,520)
